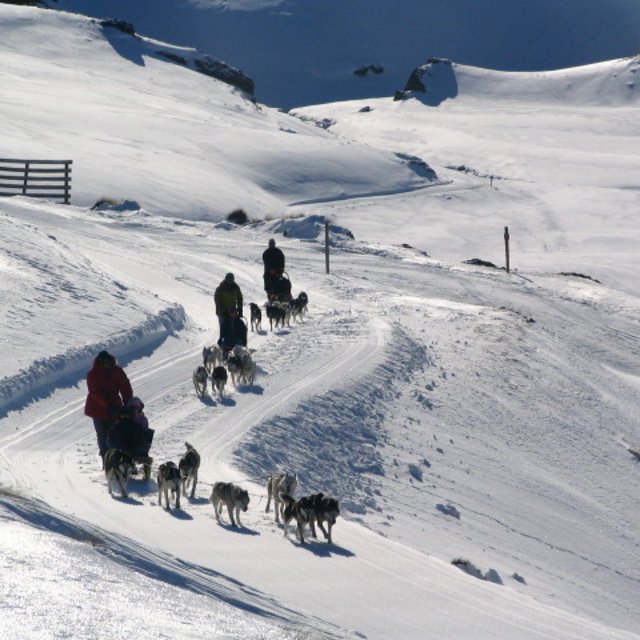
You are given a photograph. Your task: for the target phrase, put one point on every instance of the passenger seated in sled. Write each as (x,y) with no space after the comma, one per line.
(132,434)
(280,289)
(233,331)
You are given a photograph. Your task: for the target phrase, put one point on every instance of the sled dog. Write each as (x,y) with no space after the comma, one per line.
(119,466)
(302,511)
(234,364)
(248,366)
(327,509)
(299,306)
(276,315)
(211,356)
(241,366)
(235,498)
(169,481)
(200,376)
(219,380)
(189,466)
(278,483)
(256,317)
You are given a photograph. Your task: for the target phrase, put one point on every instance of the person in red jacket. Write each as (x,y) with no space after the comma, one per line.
(109,390)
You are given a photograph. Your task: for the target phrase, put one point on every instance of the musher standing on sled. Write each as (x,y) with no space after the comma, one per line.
(109,390)
(227,296)
(273,260)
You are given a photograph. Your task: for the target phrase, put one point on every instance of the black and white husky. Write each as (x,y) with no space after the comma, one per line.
(235,498)
(119,466)
(200,376)
(169,480)
(299,306)
(302,511)
(279,483)
(219,378)
(327,510)
(256,317)
(309,510)
(189,466)
(277,314)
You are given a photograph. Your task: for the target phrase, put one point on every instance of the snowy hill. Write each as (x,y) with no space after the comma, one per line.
(302,52)
(190,134)
(459,412)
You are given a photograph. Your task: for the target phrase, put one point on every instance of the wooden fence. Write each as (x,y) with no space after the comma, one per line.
(36,178)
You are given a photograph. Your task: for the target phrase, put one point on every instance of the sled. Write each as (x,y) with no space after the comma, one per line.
(232,336)
(280,289)
(139,454)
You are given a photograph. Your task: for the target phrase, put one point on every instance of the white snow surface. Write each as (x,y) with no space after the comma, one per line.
(457,411)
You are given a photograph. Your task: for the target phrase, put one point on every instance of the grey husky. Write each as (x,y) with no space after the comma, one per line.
(189,466)
(200,377)
(235,498)
(279,483)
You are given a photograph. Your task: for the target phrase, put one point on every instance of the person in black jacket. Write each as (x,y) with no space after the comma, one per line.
(130,434)
(273,260)
(234,332)
(227,297)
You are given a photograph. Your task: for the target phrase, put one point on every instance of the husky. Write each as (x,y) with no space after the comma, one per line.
(236,499)
(234,364)
(303,301)
(277,484)
(327,509)
(276,314)
(169,480)
(189,466)
(219,380)
(119,466)
(241,366)
(200,376)
(299,306)
(302,511)
(248,372)
(211,356)
(256,317)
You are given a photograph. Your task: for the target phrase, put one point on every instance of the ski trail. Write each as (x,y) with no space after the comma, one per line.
(350,361)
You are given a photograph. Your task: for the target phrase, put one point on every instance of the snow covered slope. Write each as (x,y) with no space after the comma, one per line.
(141,127)
(303,52)
(457,411)
(552,156)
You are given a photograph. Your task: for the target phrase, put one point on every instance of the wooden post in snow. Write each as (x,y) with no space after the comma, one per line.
(326,246)
(506,246)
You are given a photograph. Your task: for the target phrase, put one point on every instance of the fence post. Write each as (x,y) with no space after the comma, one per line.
(26,178)
(67,173)
(326,246)
(506,246)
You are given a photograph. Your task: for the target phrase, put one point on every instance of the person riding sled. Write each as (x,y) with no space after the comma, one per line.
(131,433)
(233,331)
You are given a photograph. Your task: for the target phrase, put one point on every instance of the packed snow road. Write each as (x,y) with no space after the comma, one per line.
(403,374)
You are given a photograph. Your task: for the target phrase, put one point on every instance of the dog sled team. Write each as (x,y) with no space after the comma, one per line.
(304,512)
(124,436)
(176,480)
(230,357)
